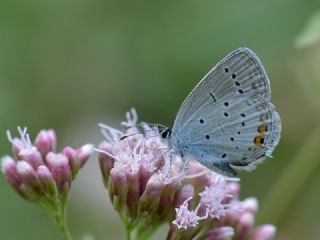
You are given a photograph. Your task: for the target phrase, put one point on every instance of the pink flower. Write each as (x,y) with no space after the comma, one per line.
(186,218)
(212,198)
(148,188)
(39,174)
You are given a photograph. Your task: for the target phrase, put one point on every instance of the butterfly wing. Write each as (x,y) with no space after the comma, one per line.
(238,73)
(227,122)
(237,133)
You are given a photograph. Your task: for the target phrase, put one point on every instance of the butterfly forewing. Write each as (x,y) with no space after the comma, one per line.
(241,72)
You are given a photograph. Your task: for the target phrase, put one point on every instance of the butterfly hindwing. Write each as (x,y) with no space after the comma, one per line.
(234,131)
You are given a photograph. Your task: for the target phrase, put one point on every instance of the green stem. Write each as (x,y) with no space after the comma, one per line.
(129,231)
(65,232)
(148,233)
(294,178)
(61,220)
(145,231)
(127,224)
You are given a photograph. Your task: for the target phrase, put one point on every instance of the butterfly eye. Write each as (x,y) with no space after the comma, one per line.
(166,133)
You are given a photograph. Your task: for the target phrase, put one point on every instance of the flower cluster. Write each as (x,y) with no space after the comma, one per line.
(148,187)
(40,175)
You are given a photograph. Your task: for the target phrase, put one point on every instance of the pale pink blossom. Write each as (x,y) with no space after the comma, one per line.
(37,173)
(148,187)
(186,218)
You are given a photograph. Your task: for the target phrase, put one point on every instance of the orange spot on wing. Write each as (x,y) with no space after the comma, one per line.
(262,128)
(259,140)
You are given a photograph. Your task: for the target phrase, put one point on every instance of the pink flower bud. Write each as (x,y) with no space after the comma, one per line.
(73,159)
(221,233)
(9,169)
(133,193)
(33,157)
(234,190)
(148,165)
(244,226)
(106,161)
(46,141)
(27,173)
(118,188)
(28,177)
(150,199)
(84,153)
(60,170)
(46,180)
(250,205)
(167,200)
(28,193)
(264,232)
(145,174)
(55,160)
(17,146)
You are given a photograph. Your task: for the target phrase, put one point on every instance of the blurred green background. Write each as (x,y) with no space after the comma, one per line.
(68,65)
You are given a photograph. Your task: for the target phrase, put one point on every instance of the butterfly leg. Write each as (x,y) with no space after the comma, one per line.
(185,165)
(167,164)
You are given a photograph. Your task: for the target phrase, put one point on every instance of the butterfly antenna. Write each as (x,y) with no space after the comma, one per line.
(129,135)
(132,134)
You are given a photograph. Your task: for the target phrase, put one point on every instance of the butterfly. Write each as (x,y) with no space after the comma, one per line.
(227,122)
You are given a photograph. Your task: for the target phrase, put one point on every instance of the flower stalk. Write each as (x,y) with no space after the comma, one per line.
(61,220)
